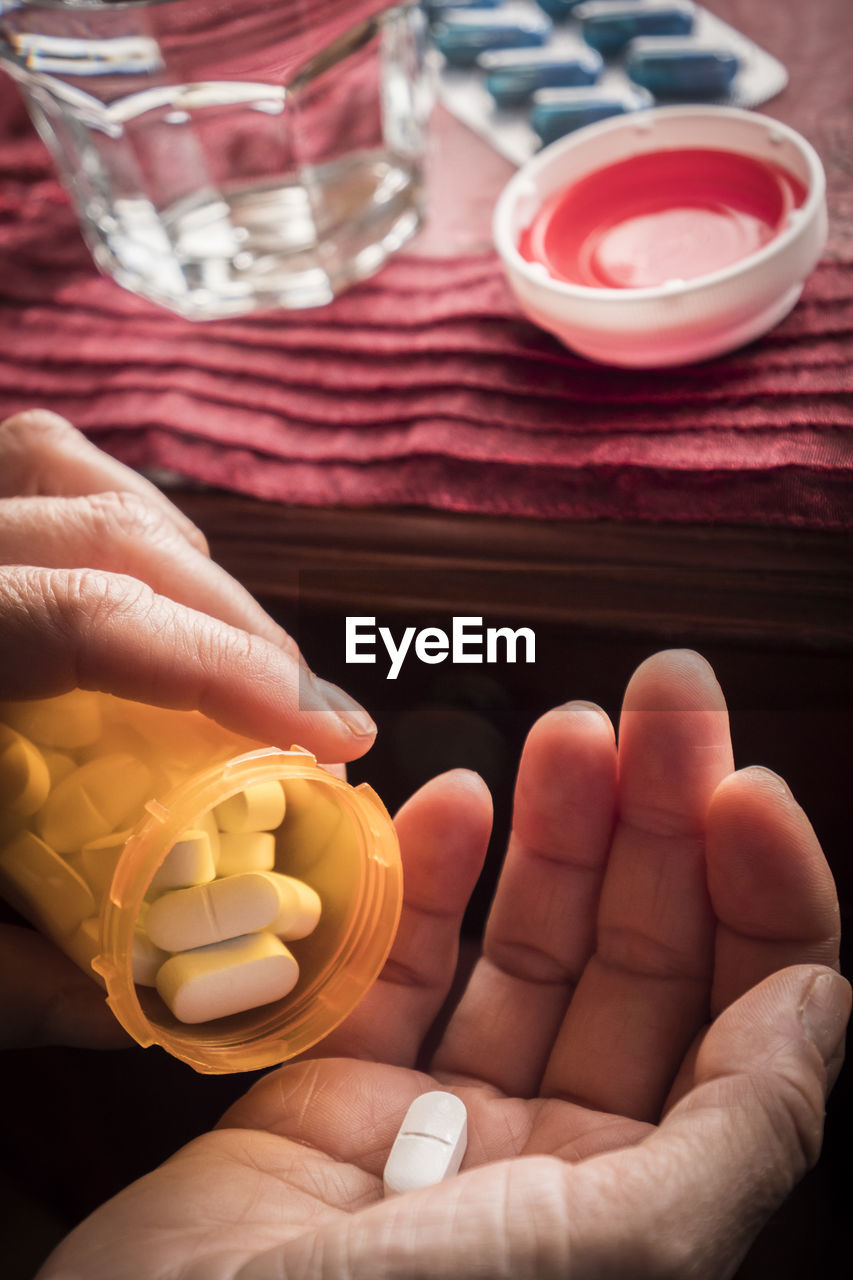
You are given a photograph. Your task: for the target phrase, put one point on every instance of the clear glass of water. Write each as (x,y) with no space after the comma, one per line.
(226,156)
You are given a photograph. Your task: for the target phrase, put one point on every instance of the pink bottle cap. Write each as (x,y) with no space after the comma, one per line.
(664,237)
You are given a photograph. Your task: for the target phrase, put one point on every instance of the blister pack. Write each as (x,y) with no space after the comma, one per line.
(522,74)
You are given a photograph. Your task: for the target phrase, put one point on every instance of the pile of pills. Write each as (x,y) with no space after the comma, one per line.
(212,931)
(525,72)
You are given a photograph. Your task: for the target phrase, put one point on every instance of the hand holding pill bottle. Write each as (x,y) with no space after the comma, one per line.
(637,1058)
(235,901)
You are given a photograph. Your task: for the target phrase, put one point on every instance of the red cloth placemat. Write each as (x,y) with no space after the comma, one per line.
(425,386)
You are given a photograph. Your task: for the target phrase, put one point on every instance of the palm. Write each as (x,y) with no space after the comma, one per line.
(632,910)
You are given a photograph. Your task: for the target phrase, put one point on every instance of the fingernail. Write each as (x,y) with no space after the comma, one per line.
(770,778)
(354,716)
(824,1013)
(581,705)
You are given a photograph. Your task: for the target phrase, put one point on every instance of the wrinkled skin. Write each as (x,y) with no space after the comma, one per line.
(647,892)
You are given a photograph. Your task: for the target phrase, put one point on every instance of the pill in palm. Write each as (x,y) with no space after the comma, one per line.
(299,907)
(208,913)
(429,1145)
(188,862)
(245,851)
(227,977)
(258,808)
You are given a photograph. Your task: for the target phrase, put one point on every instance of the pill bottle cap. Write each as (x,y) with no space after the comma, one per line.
(356,871)
(665,236)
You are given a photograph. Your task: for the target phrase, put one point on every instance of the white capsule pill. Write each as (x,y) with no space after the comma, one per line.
(207,822)
(146,959)
(93,801)
(209,913)
(258,808)
(228,977)
(247,851)
(84,944)
(59,764)
(42,886)
(99,859)
(24,775)
(299,907)
(429,1145)
(188,862)
(313,819)
(72,720)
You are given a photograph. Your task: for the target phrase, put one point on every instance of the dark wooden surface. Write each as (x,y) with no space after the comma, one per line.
(773,585)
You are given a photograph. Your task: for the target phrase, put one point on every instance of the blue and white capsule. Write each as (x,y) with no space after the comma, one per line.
(463,34)
(556,112)
(608,25)
(674,67)
(512,76)
(559,9)
(436,9)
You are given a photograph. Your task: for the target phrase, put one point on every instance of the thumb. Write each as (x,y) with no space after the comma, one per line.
(727,1155)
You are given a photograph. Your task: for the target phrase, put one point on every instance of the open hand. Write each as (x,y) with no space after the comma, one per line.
(644,1046)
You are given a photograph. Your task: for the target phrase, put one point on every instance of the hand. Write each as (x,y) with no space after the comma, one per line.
(105,585)
(644,1071)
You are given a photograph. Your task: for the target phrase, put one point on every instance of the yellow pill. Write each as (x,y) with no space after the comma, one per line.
(84,944)
(258,808)
(250,851)
(227,977)
(93,801)
(72,720)
(59,764)
(207,822)
(146,959)
(312,819)
(208,913)
(299,907)
(116,739)
(43,887)
(99,859)
(188,862)
(24,775)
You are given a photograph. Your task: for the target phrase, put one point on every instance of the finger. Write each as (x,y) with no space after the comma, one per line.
(123,532)
(541,928)
(771,888)
(42,454)
(444,833)
(93,630)
(45,999)
(772,892)
(644,993)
